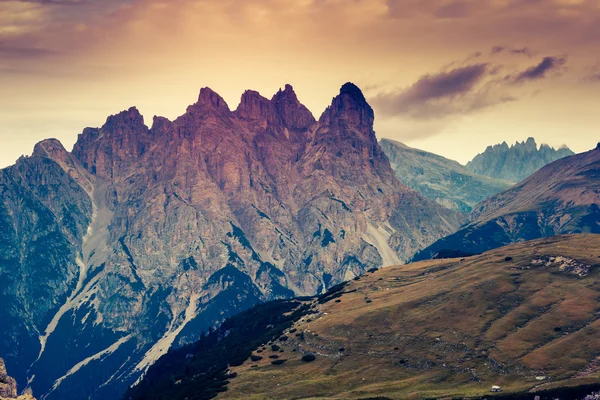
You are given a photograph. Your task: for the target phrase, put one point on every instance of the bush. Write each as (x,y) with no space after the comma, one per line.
(278,362)
(273,356)
(275,347)
(368,301)
(341,349)
(338,301)
(372,270)
(283,338)
(254,357)
(309,357)
(508,258)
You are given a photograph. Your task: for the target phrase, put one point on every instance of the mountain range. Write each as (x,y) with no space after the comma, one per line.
(516,162)
(141,238)
(562,197)
(440,179)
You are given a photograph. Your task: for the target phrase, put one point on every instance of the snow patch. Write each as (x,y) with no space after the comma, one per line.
(380,238)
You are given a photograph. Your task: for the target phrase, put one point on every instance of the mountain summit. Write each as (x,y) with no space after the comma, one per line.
(141,238)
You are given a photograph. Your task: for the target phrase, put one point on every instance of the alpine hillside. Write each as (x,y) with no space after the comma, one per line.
(523,317)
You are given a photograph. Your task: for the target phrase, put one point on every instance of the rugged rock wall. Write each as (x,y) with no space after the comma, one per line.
(141,238)
(516,162)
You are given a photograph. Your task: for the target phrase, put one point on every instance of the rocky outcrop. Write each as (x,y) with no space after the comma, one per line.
(8,386)
(516,162)
(440,179)
(563,197)
(152,235)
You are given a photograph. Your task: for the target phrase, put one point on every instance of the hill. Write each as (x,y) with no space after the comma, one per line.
(563,197)
(524,317)
(440,179)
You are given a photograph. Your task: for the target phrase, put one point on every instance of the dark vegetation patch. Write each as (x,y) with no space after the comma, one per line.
(450,253)
(278,362)
(309,357)
(204,374)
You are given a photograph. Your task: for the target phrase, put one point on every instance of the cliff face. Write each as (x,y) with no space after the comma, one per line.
(141,238)
(516,162)
(437,178)
(561,198)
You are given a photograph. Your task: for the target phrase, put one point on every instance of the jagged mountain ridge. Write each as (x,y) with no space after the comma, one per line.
(563,197)
(152,235)
(440,179)
(516,162)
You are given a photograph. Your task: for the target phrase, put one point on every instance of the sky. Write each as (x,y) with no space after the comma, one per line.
(447,76)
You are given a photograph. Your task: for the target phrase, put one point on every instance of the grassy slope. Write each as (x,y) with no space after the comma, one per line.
(459,327)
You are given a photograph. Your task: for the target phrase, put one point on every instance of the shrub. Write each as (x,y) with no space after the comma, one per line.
(309,357)
(254,357)
(341,349)
(368,301)
(275,347)
(338,301)
(273,356)
(283,338)
(293,330)
(508,258)
(278,362)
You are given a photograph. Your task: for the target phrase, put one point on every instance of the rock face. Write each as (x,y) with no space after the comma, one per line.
(8,386)
(141,238)
(440,179)
(563,197)
(516,162)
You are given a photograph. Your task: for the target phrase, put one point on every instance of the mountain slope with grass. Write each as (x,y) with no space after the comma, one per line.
(524,317)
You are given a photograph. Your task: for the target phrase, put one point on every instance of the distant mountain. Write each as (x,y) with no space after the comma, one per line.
(142,238)
(516,162)
(562,197)
(438,178)
(521,317)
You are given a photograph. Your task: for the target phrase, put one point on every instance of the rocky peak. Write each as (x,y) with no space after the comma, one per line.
(350,106)
(292,113)
(129,117)
(51,148)
(253,106)
(210,98)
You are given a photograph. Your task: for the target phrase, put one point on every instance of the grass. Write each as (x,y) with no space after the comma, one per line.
(459,326)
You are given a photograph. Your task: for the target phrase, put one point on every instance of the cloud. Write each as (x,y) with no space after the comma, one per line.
(541,70)
(460,90)
(511,50)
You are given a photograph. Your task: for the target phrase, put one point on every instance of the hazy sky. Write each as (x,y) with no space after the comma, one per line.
(448,76)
